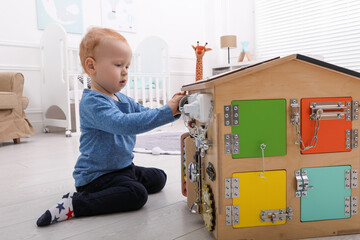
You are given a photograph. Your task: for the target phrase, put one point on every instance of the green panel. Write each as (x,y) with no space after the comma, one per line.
(261,121)
(327,200)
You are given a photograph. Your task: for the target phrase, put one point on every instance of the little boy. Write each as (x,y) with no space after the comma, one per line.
(106,179)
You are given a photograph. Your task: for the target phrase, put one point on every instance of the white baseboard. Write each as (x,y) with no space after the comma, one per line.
(35,117)
(38,126)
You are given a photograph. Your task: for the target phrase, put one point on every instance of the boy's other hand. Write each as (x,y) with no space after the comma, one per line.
(174,102)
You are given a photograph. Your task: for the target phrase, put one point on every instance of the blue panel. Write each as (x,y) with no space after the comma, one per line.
(327,200)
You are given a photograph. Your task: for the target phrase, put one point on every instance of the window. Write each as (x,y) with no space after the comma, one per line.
(327,28)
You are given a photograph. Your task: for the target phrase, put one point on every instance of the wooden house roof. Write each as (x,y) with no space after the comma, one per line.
(218,79)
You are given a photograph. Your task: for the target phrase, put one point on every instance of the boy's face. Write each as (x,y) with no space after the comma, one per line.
(113,59)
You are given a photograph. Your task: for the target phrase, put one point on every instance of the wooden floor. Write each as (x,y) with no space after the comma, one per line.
(36,173)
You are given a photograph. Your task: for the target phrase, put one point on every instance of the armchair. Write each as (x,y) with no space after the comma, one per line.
(13,122)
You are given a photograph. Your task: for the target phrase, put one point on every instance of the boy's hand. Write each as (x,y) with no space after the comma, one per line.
(174,102)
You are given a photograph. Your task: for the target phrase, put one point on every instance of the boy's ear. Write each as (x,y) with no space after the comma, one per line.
(90,64)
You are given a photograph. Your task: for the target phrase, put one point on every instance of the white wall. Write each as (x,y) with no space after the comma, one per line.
(179,22)
(227,17)
(241,24)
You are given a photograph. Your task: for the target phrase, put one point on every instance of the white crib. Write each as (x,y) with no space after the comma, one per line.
(150,90)
(149,78)
(61,91)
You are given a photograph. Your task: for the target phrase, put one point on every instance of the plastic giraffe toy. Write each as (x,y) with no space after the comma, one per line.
(200,52)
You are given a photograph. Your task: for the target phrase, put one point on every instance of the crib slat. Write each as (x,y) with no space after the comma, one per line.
(163,78)
(128,87)
(85,83)
(157,89)
(136,88)
(150,91)
(143,90)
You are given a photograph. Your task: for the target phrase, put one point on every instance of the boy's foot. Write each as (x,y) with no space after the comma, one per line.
(63,210)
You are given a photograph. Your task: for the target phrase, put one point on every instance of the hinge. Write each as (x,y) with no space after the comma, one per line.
(351,204)
(295,111)
(352,110)
(351,178)
(231,114)
(355,110)
(302,183)
(232,215)
(276,215)
(231,187)
(351,138)
(232,143)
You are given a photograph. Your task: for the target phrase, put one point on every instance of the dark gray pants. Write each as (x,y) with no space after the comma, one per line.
(120,191)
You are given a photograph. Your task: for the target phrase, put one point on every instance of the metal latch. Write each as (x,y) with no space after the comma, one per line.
(232,215)
(232,143)
(351,178)
(231,114)
(302,183)
(193,172)
(351,205)
(231,187)
(336,110)
(351,138)
(276,215)
(331,110)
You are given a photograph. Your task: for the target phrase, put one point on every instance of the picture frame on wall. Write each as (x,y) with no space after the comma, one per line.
(67,13)
(119,15)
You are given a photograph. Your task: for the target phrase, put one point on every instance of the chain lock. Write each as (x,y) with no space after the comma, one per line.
(314,139)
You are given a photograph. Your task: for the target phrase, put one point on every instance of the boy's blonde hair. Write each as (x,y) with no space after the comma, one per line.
(92,39)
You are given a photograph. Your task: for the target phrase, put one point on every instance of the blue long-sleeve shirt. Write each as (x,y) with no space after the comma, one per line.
(108,132)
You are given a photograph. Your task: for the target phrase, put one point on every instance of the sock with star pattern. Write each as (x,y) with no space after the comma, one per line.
(63,210)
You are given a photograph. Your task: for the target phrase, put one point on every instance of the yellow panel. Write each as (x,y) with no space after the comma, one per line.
(256,194)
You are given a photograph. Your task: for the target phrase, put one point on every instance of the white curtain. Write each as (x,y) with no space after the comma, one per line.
(320,28)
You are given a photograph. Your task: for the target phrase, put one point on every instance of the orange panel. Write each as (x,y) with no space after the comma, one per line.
(332,132)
